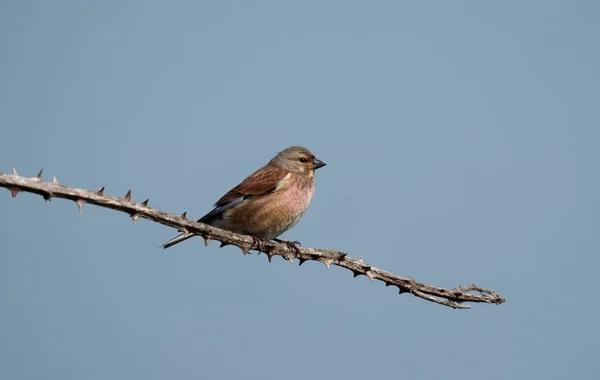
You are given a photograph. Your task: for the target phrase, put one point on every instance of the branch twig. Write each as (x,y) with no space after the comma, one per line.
(454,298)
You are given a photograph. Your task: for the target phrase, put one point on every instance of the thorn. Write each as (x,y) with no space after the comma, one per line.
(183,216)
(135,217)
(184,231)
(100,191)
(388,283)
(127,196)
(361,259)
(356,273)
(39,176)
(15,172)
(207,240)
(47,197)
(301,261)
(403,290)
(54,180)
(223,244)
(145,203)
(270,256)
(342,256)
(370,275)
(245,250)
(14,191)
(80,203)
(327,263)
(291,259)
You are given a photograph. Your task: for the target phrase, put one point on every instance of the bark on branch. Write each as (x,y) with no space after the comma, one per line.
(455,298)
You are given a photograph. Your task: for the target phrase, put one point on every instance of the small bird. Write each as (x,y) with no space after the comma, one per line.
(269,201)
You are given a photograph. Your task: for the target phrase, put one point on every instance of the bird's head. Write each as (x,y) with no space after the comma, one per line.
(297,159)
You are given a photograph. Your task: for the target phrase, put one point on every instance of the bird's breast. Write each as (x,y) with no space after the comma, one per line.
(271,215)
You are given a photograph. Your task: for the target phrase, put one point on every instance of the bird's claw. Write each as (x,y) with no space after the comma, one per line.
(292,245)
(295,245)
(258,243)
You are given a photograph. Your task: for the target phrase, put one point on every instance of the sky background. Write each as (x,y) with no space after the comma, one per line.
(462,141)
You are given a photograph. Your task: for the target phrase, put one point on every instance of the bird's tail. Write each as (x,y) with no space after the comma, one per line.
(175,240)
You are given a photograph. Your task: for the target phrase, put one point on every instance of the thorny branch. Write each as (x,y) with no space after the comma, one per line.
(454,298)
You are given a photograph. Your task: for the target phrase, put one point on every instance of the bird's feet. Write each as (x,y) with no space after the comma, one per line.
(292,245)
(258,244)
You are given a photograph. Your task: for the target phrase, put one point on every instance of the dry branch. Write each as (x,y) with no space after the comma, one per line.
(454,298)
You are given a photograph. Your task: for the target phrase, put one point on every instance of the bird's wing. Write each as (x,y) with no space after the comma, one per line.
(264,181)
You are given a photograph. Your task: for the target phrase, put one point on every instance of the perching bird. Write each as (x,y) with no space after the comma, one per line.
(269,201)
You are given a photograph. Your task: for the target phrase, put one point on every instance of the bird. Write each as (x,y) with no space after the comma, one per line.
(269,201)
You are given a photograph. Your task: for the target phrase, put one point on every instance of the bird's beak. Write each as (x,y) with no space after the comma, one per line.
(317,164)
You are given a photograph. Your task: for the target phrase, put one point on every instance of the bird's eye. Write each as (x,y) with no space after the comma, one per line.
(303,159)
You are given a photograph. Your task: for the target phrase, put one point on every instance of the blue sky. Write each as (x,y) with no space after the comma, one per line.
(462,146)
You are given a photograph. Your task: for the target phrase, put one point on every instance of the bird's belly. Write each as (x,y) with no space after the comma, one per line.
(270,216)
